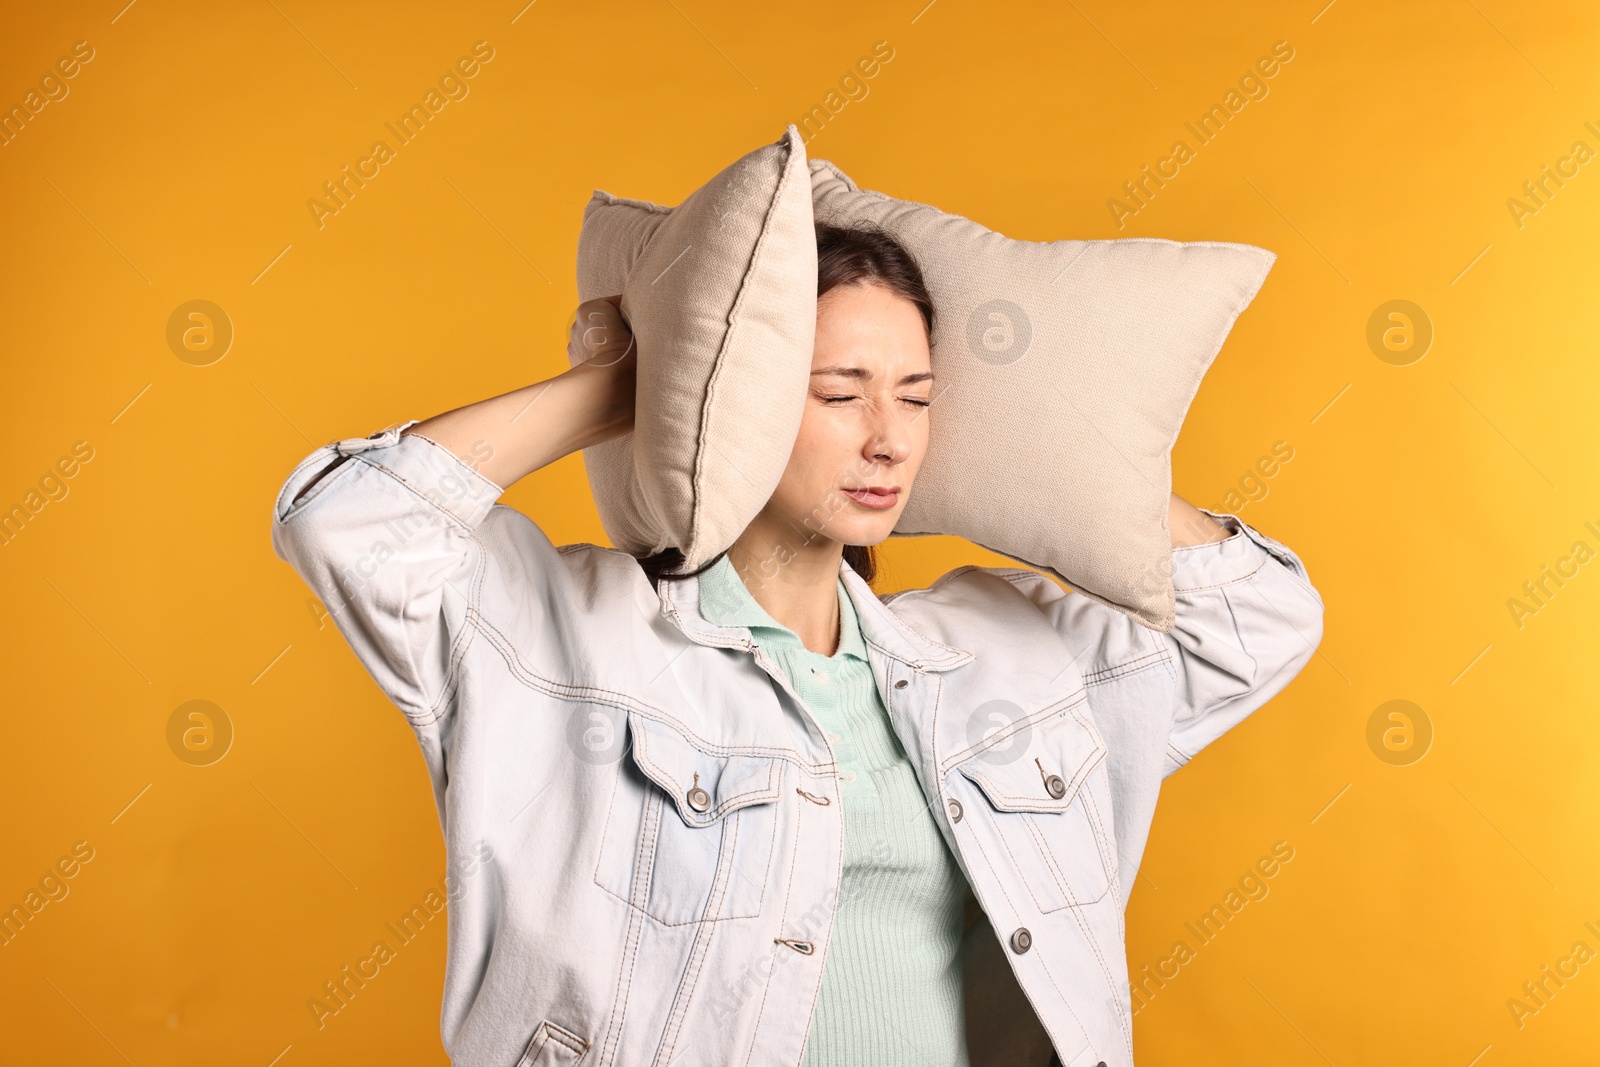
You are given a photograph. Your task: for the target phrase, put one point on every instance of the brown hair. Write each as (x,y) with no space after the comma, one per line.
(859,254)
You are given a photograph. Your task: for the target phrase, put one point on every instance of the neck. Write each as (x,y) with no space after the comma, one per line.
(795,579)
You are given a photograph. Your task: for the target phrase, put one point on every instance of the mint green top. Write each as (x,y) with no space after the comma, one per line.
(891,983)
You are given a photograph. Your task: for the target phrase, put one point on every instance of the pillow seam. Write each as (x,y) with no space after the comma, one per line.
(785,181)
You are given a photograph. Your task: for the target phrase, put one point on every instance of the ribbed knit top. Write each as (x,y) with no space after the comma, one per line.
(891,991)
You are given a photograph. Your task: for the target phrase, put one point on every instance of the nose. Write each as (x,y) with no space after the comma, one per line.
(889,442)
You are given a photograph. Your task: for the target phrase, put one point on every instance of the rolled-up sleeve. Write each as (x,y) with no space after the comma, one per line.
(1247,620)
(386,540)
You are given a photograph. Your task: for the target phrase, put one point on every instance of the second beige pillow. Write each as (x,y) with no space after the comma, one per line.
(1063,371)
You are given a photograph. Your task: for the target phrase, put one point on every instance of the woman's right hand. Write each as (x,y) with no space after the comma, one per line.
(602,346)
(599,333)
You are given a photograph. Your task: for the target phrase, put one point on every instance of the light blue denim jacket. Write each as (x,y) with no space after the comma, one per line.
(636,874)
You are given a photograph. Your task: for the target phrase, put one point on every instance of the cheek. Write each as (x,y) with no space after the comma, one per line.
(814,466)
(917,451)
(924,431)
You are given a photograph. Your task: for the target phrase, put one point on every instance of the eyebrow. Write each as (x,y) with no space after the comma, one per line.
(863,374)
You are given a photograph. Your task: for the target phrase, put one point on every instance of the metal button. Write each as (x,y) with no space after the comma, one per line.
(699,799)
(1021,940)
(901,684)
(955,809)
(1055,786)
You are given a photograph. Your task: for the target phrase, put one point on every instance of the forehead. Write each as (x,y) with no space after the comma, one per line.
(871,329)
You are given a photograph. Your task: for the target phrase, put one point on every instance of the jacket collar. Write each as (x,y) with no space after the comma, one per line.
(726,601)
(880,626)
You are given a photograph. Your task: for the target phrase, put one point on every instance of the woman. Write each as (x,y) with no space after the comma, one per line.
(732,817)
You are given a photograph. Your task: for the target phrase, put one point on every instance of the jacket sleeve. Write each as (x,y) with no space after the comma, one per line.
(386,540)
(1247,619)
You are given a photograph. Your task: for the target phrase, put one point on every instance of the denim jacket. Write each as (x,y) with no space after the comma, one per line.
(642,819)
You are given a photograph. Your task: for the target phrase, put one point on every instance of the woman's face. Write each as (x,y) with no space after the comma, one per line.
(865,428)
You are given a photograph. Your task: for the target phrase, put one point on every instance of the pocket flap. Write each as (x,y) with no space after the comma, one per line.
(1019,777)
(552,1045)
(680,763)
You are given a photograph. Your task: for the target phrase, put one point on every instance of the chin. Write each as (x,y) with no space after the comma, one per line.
(868,532)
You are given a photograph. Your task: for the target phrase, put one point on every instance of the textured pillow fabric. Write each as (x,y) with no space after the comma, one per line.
(1062,373)
(721,294)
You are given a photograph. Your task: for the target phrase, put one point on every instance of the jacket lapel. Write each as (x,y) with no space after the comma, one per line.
(905,664)
(887,632)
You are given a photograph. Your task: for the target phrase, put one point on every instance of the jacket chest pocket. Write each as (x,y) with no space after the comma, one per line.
(689,834)
(1046,805)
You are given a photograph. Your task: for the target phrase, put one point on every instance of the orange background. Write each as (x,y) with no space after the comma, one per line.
(178,167)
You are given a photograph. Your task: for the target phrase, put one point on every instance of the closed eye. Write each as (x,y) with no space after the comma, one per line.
(907,399)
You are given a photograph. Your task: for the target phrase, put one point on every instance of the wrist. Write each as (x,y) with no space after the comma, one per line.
(601,399)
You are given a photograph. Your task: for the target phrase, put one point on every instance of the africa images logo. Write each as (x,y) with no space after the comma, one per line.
(452,86)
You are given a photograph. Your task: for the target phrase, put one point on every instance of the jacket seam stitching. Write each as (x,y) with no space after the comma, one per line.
(644,907)
(1063,706)
(432,712)
(614,698)
(1104,839)
(1087,931)
(1021,868)
(433,504)
(1017,575)
(476,474)
(783,911)
(1065,1001)
(1133,666)
(1060,994)
(298,507)
(1053,867)
(563,1037)
(631,940)
(1079,776)
(724,807)
(463,639)
(977,840)
(698,952)
(954,653)
(459,645)
(1218,585)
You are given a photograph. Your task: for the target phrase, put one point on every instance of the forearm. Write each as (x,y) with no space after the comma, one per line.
(1191,526)
(512,435)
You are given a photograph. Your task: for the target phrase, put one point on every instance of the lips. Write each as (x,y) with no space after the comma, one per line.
(875,496)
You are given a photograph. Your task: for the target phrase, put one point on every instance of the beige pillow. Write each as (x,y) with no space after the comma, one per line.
(721,294)
(1062,373)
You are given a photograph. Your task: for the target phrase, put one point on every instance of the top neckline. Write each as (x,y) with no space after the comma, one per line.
(726,601)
